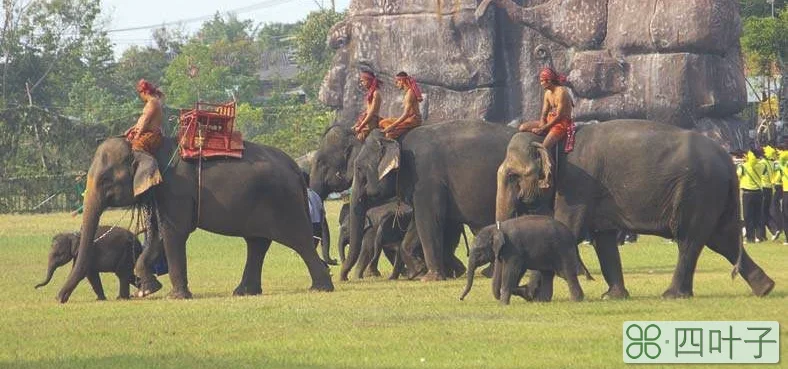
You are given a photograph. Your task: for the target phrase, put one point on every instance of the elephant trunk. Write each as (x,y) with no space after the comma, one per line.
(472,265)
(355,229)
(504,198)
(316,182)
(93,208)
(50,272)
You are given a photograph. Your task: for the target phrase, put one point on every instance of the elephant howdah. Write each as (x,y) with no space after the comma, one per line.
(260,197)
(643,176)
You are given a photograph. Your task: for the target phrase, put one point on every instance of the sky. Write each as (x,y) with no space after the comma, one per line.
(190,14)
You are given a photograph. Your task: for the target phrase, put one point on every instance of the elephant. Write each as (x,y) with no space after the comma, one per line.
(383,232)
(642,176)
(535,242)
(260,197)
(444,171)
(116,251)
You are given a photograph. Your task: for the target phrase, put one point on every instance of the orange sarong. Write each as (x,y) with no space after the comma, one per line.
(409,123)
(148,141)
(564,128)
(364,132)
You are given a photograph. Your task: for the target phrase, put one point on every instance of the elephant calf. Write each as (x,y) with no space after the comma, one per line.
(528,242)
(384,230)
(115,252)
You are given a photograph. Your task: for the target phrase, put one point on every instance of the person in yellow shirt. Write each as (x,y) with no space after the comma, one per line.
(783,162)
(774,221)
(767,188)
(750,174)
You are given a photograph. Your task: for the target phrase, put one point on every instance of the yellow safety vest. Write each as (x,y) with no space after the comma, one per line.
(750,176)
(768,173)
(777,173)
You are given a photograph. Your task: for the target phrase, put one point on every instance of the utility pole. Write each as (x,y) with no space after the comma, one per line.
(35,127)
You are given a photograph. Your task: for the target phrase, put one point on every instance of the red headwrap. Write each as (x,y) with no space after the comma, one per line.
(550,75)
(373,84)
(411,83)
(144,86)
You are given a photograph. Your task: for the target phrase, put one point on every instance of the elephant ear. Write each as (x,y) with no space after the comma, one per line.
(498,241)
(545,178)
(146,172)
(390,159)
(74,239)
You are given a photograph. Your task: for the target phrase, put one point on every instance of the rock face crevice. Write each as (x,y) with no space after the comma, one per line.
(648,59)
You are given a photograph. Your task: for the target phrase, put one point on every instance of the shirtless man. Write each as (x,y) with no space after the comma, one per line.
(556,120)
(411,117)
(370,118)
(146,134)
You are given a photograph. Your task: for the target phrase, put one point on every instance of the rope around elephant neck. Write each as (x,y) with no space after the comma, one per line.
(113,226)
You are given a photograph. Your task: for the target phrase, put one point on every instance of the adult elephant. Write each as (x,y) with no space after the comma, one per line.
(261,197)
(444,171)
(643,176)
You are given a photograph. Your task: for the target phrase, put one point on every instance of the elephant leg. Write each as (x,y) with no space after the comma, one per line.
(512,271)
(148,283)
(397,263)
(610,262)
(95,282)
(575,291)
(429,216)
(367,252)
(372,269)
(546,287)
(525,291)
(251,281)
(728,244)
(681,285)
(409,246)
(124,291)
(454,267)
(496,278)
(175,247)
(301,243)
(537,287)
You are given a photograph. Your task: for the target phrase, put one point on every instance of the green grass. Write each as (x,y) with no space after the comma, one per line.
(363,324)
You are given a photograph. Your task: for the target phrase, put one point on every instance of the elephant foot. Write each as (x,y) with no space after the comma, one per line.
(760,283)
(149,287)
(615,293)
(322,286)
(122,297)
(62,296)
(416,274)
(180,294)
(101,298)
(525,292)
(242,290)
(672,293)
(330,261)
(432,276)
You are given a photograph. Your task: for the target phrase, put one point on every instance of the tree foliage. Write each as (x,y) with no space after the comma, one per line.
(312,52)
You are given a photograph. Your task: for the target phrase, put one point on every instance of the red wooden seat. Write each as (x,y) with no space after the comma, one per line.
(207,130)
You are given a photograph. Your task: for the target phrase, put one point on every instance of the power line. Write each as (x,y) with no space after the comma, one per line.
(245,9)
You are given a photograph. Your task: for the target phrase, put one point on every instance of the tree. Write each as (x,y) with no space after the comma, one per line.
(760,8)
(765,43)
(312,52)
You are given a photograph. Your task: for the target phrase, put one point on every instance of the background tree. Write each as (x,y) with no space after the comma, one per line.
(312,52)
(765,43)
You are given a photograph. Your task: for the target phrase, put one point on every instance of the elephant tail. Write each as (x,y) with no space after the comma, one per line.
(733,215)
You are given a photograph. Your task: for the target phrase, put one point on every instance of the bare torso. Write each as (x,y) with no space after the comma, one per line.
(151,118)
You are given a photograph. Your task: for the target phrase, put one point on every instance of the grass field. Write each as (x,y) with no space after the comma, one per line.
(371,323)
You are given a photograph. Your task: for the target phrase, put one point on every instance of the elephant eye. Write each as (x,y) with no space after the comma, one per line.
(511,177)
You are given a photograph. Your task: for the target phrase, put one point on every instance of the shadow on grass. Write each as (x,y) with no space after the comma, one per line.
(243,360)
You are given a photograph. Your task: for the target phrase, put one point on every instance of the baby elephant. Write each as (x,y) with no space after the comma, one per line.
(115,252)
(528,242)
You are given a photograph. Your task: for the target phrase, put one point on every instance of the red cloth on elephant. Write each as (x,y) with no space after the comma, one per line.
(148,141)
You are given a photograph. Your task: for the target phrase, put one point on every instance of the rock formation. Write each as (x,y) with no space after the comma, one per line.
(650,59)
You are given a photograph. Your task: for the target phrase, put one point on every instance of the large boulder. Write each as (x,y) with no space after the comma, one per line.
(645,59)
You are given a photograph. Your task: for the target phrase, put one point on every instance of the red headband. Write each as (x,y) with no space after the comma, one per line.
(549,74)
(373,85)
(146,87)
(411,83)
